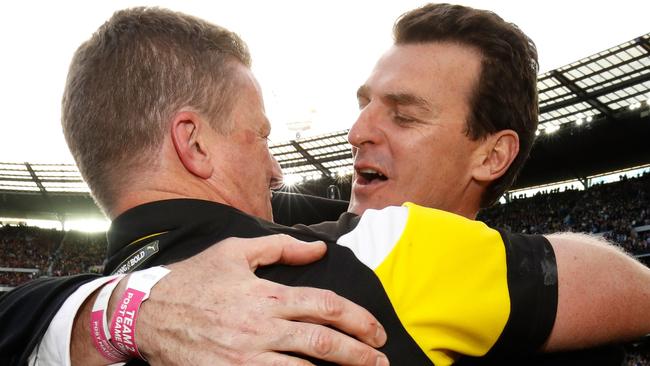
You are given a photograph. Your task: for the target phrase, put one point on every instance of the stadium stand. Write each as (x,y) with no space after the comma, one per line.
(618,211)
(30,252)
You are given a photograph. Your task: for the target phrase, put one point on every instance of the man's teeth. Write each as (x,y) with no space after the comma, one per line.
(370,171)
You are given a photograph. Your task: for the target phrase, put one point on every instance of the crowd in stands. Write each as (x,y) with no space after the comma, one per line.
(638,353)
(13,279)
(615,210)
(27,247)
(80,253)
(48,252)
(638,359)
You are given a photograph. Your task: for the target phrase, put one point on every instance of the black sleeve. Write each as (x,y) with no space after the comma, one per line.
(532,281)
(291,209)
(26,312)
(533,287)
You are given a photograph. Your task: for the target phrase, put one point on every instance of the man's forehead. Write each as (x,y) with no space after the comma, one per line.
(424,70)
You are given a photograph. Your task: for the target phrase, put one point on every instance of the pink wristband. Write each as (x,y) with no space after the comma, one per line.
(98,326)
(124,318)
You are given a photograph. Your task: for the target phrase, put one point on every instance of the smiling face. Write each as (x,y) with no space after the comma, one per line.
(409,141)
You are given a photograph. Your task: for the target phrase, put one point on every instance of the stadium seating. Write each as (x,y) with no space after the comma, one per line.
(619,211)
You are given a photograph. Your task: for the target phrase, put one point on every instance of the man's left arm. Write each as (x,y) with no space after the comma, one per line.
(603,293)
(463,289)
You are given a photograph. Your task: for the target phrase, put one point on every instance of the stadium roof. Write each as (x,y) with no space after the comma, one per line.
(598,85)
(601,86)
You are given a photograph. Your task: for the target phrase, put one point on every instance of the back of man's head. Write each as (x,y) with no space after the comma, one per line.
(506,94)
(130,78)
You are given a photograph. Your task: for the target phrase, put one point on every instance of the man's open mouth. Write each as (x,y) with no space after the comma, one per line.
(369,176)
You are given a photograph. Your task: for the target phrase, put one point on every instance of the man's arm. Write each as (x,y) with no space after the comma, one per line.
(26,311)
(253,317)
(604,294)
(212,309)
(458,292)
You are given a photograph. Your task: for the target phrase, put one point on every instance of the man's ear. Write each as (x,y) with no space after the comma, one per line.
(188,132)
(497,152)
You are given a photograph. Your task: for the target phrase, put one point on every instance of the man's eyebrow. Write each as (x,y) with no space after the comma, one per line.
(406,99)
(409,100)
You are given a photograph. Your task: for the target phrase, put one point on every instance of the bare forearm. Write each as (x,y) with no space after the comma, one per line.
(604,294)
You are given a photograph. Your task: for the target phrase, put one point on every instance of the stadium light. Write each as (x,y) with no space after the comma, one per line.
(589,119)
(88,225)
(579,121)
(552,129)
(291,179)
(634,106)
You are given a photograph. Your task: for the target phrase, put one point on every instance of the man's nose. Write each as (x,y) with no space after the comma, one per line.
(366,129)
(277,176)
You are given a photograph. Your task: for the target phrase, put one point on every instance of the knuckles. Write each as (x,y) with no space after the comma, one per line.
(321,342)
(331,305)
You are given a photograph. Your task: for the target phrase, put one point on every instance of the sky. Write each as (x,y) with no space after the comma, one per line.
(309,56)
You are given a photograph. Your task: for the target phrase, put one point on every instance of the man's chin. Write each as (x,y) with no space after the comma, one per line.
(358,207)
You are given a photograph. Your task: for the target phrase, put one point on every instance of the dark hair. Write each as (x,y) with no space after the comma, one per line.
(506,94)
(128,80)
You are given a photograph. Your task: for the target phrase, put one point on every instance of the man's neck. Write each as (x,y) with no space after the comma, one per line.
(137,197)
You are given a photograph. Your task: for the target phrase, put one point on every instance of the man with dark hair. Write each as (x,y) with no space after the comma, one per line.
(496,302)
(501,90)
(458,91)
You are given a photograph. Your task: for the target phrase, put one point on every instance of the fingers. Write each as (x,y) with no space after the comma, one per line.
(279,248)
(328,345)
(326,307)
(283,308)
(278,359)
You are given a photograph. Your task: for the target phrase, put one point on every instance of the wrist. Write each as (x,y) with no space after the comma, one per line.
(99,326)
(81,346)
(126,311)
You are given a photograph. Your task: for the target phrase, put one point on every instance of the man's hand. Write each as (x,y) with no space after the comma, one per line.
(212,310)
